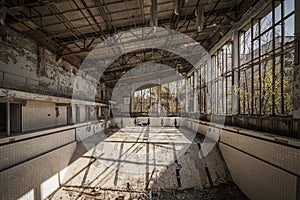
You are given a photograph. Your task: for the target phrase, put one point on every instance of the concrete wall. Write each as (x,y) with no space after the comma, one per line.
(38,115)
(263,166)
(30,111)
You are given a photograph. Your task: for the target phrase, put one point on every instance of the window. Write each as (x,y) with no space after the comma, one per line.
(142,100)
(222,80)
(266,60)
(171,99)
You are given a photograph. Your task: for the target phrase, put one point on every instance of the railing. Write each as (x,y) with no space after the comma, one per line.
(278,125)
(271,124)
(22,83)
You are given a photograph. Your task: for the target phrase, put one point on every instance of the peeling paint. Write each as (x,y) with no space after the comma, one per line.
(28,68)
(44,85)
(19,65)
(6,57)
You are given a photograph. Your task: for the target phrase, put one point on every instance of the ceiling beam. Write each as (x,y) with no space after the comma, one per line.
(128,27)
(142,7)
(242,7)
(162,60)
(153,13)
(87,50)
(104,15)
(40,3)
(110,29)
(116,77)
(85,8)
(45,41)
(175,17)
(23,6)
(88,7)
(219,12)
(200,18)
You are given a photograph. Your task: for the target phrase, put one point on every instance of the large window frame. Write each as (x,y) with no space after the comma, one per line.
(222,80)
(266,62)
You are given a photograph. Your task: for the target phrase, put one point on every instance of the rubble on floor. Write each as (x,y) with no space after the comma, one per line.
(140,163)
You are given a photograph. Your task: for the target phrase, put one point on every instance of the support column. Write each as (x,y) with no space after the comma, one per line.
(131,99)
(195,91)
(158,99)
(69,114)
(109,109)
(208,68)
(186,109)
(177,98)
(235,73)
(296,97)
(8,118)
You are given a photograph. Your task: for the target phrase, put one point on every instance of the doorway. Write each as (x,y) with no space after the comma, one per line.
(15,118)
(77,114)
(3,119)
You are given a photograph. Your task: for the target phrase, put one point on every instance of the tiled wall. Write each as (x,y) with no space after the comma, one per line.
(260,166)
(257,179)
(14,153)
(30,167)
(280,155)
(23,178)
(38,115)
